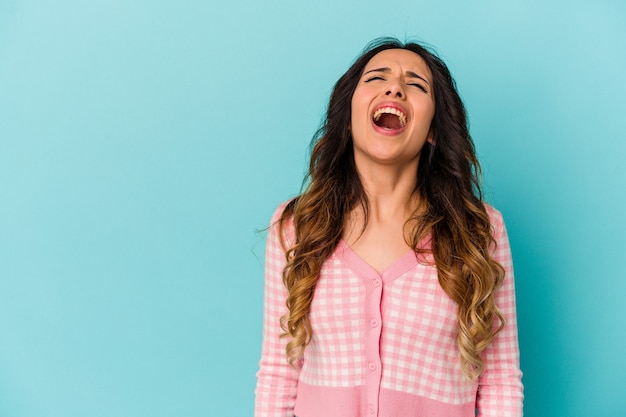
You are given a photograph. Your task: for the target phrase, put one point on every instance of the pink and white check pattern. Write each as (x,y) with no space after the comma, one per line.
(384,344)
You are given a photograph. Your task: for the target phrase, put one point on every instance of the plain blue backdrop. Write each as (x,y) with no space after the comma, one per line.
(144,143)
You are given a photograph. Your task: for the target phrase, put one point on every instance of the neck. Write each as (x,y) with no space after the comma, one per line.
(390,190)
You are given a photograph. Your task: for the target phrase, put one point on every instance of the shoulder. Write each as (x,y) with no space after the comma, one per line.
(287,226)
(279,212)
(495,218)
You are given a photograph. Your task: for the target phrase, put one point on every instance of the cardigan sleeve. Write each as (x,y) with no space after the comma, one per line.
(276,379)
(500,389)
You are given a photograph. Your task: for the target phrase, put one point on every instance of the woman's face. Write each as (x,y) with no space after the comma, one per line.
(392,109)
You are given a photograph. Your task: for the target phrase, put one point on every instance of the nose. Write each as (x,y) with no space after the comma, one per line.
(395,89)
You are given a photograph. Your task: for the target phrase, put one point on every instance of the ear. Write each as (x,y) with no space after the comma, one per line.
(430,139)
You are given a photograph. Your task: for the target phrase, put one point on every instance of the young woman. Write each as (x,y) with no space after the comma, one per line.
(389,284)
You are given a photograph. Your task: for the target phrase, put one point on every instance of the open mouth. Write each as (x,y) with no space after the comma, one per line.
(389,118)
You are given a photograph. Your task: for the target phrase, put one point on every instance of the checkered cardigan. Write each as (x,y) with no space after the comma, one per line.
(384,344)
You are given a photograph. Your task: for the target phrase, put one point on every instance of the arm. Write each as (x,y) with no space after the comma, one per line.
(276,380)
(500,389)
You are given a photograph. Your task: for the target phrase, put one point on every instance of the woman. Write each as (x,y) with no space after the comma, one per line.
(389,285)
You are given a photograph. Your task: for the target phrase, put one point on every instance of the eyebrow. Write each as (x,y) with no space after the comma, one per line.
(409,73)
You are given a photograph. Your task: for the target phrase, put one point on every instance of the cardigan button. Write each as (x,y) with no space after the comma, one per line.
(371,409)
(372,366)
(376,282)
(374,323)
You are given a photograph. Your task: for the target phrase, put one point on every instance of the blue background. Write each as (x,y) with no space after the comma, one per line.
(144,143)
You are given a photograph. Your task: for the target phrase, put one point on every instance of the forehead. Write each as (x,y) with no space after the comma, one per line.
(398,59)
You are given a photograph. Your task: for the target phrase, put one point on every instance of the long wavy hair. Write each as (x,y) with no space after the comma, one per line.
(453,215)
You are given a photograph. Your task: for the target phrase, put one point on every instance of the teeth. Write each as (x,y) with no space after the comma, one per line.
(391,110)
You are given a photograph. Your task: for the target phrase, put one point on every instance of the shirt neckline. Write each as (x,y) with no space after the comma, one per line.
(364,270)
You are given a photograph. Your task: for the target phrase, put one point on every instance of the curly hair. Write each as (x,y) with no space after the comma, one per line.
(453,217)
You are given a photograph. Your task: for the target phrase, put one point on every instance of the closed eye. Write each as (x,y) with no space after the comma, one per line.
(376,77)
(421,87)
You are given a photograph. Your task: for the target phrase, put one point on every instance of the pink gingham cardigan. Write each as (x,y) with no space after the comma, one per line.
(384,344)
